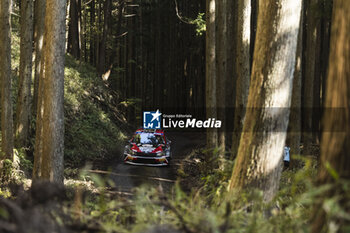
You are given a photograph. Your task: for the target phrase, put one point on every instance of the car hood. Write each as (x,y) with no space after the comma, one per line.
(147,148)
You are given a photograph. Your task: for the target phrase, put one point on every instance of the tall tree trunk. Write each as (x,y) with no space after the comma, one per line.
(92,33)
(98,30)
(141,59)
(325,34)
(68,39)
(210,71)
(5,78)
(131,68)
(102,51)
(82,31)
(52,137)
(74,42)
(231,28)
(23,113)
(326,28)
(294,128)
(39,24)
(258,163)
(221,57)
(335,144)
(312,33)
(242,70)
(38,148)
(39,28)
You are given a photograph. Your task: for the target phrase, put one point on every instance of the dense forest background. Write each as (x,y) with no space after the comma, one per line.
(144,50)
(76,76)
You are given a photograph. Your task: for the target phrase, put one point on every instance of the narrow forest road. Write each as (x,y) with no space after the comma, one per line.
(127,177)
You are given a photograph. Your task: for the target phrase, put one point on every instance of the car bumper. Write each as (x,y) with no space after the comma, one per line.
(147,161)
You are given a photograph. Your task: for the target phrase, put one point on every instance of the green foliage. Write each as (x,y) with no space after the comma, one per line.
(3,213)
(211,208)
(6,194)
(15,51)
(332,171)
(91,130)
(200,24)
(6,170)
(24,163)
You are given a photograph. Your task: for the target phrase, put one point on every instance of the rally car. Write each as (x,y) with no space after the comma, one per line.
(148,147)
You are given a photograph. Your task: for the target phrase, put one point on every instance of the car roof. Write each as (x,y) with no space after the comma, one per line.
(154,131)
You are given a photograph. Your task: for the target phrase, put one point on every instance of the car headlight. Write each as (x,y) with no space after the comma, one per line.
(160,153)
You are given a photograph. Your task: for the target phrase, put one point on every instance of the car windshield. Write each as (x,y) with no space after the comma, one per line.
(148,138)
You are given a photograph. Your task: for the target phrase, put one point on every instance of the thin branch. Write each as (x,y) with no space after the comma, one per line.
(179,16)
(13,13)
(86,3)
(130,15)
(119,36)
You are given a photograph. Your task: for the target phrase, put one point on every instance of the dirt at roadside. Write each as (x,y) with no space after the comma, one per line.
(191,168)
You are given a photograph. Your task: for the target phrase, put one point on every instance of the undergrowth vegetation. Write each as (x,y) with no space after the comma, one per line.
(94,127)
(211,208)
(91,116)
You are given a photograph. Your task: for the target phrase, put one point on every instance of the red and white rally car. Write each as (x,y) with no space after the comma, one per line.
(148,147)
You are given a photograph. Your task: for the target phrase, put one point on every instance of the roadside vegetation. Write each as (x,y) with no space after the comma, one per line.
(89,204)
(94,126)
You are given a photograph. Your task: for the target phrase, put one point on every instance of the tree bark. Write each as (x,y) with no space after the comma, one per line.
(99,30)
(211,71)
(52,137)
(102,50)
(92,33)
(242,70)
(40,9)
(312,33)
(324,48)
(326,34)
(335,144)
(5,78)
(82,32)
(38,148)
(23,113)
(258,163)
(221,62)
(294,128)
(230,68)
(39,24)
(74,41)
